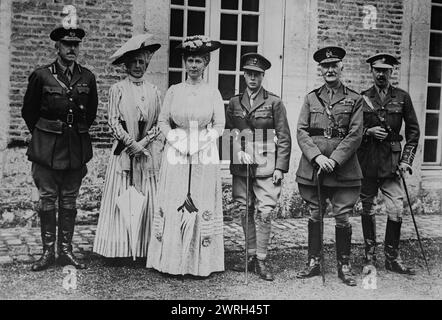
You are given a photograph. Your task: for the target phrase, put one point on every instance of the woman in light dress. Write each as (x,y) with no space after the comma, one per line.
(186,241)
(133,109)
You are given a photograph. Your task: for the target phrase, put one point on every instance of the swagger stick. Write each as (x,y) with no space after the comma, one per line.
(414,220)
(321,224)
(246,229)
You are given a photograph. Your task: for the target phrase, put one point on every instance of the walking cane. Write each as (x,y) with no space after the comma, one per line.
(321,225)
(247,225)
(414,220)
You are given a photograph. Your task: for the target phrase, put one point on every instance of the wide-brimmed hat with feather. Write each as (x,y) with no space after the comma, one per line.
(138,43)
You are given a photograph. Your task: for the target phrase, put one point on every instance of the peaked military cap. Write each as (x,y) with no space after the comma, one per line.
(383,60)
(255,61)
(62,34)
(329,54)
(198,45)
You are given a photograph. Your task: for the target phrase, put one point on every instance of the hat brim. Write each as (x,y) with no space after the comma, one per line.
(151,48)
(382,66)
(253,68)
(71,39)
(57,35)
(330,60)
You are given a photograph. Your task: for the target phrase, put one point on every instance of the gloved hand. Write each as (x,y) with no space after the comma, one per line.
(278,175)
(135,149)
(245,158)
(405,167)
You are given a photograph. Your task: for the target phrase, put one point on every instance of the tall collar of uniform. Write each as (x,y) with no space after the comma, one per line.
(385,90)
(338,88)
(63,68)
(253,95)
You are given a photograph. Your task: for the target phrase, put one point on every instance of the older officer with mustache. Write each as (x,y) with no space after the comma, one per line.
(329,133)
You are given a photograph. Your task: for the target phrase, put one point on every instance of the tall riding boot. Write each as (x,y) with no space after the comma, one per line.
(393,261)
(264,270)
(343,248)
(66,224)
(313,267)
(369,231)
(48,229)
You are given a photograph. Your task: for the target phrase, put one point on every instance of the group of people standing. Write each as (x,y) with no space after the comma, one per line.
(168,152)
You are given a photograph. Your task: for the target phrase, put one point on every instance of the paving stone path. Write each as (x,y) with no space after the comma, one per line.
(24,244)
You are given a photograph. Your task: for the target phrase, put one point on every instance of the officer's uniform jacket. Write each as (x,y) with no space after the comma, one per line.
(59,113)
(381,158)
(269,141)
(336,135)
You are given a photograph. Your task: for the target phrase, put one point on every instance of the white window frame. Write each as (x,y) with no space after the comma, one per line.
(186,8)
(270,41)
(438,164)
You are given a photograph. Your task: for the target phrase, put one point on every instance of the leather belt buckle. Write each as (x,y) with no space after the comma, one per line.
(70,118)
(328,133)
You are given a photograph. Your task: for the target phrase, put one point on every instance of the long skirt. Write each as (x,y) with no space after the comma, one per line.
(183,242)
(112,237)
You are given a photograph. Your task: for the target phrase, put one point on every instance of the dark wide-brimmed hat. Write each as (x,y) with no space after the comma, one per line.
(72,35)
(329,54)
(138,43)
(198,45)
(255,62)
(383,61)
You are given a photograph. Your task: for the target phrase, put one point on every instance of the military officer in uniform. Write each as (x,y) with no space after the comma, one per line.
(262,140)
(385,108)
(59,106)
(329,133)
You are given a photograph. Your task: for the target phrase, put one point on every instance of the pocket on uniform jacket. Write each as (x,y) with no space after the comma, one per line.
(44,137)
(396,146)
(394,113)
(394,109)
(52,90)
(263,114)
(53,95)
(50,126)
(83,90)
(83,128)
(238,113)
(316,115)
(342,114)
(86,143)
(396,149)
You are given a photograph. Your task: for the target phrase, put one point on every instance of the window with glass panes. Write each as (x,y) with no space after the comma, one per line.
(188,17)
(236,23)
(433,119)
(239,34)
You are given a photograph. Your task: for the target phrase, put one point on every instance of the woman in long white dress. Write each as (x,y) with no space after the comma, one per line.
(133,110)
(186,241)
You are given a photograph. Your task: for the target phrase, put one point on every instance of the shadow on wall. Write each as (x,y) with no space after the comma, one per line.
(17,205)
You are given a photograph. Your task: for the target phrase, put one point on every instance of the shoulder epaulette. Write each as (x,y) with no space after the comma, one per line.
(43,67)
(315,90)
(272,94)
(351,90)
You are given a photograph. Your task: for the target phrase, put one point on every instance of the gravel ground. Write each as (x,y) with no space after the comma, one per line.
(130,280)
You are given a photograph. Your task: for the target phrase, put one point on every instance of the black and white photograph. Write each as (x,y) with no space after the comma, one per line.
(220,155)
